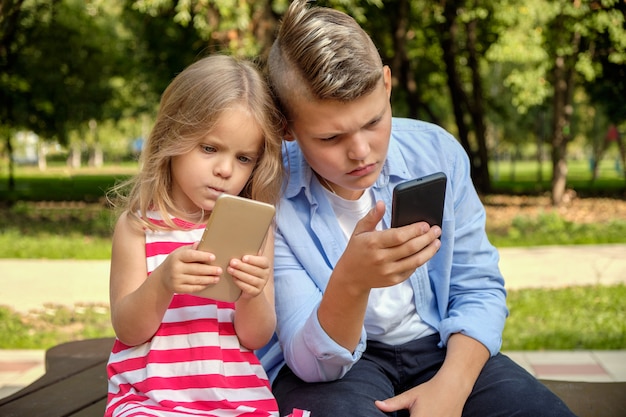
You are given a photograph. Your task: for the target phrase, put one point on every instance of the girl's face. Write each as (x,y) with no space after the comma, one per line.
(222,162)
(345,143)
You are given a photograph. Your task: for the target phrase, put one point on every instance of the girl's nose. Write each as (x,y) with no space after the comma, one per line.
(223,168)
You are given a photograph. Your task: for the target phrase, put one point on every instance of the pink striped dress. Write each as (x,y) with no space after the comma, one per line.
(194,364)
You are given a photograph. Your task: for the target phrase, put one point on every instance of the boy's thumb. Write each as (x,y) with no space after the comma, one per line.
(371,219)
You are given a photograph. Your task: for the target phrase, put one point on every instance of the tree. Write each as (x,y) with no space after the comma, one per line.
(459,33)
(242,28)
(57,60)
(552,46)
(608,89)
(428,39)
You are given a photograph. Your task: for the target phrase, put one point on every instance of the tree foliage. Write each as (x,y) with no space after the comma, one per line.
(56,68)
(510,71)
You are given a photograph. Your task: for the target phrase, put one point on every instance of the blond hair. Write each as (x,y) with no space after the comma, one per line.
(190,107)
(321,54)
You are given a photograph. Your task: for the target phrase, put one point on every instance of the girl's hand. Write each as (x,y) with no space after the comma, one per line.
(251,274)
(187,270)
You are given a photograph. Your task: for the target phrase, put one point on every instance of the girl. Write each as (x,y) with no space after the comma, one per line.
(176,354)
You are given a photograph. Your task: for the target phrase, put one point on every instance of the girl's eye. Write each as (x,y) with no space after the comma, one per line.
(208,148)
(245,159)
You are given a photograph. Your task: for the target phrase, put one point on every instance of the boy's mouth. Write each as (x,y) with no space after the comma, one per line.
(363,170)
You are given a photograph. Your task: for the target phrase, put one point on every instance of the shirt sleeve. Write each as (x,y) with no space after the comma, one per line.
(475,290)
(308,350)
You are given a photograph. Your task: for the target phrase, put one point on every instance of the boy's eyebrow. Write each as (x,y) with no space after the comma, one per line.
(374,118)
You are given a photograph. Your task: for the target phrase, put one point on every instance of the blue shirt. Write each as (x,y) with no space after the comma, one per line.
(460,290)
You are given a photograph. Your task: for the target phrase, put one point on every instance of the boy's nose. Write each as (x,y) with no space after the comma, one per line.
(359,146)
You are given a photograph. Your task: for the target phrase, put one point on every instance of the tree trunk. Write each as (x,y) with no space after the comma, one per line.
(622,151)
(477,110)
(42,150)
(461,103)
(74,158)
(448,34)
(563,80)
(96,158)
(11,164)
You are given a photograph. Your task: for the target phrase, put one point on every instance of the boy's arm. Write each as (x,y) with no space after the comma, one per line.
(372,259)
(321,333)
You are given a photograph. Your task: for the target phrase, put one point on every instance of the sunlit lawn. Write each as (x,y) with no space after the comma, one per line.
(592,317)
(62,214)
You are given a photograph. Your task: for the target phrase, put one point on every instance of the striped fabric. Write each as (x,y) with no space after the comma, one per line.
(194,364)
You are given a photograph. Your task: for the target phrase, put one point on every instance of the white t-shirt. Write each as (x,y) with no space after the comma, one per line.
(391,316)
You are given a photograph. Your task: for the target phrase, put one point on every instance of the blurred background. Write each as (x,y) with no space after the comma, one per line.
(534,90)
(531,80)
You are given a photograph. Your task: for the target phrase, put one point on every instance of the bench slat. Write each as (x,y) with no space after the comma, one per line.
(65,398)
(95,410)
(591,399)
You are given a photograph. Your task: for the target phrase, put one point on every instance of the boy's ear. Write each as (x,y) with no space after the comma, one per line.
(288,135)
(387,79)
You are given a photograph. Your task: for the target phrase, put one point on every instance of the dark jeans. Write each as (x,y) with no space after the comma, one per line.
(502,389)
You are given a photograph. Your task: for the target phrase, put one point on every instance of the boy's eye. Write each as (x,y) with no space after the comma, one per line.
(373,122)
(208,148)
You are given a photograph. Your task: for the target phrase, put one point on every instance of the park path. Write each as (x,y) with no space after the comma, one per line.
(27,284)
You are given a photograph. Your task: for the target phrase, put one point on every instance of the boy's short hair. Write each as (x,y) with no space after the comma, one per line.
(321,54)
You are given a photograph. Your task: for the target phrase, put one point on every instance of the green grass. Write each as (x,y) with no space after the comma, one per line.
(56,231)
(523,178)
(552,229)
(59,183)
(62,215)
(588,317)
(53,325)
(83,231)
(585,317)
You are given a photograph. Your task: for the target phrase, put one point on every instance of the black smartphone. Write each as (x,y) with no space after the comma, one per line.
(420,199)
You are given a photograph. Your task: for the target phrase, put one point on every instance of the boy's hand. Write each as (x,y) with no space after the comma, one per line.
(384,258)
(425,400)
(251,274)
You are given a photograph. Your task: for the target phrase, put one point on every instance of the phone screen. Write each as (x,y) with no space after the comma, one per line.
(420,199)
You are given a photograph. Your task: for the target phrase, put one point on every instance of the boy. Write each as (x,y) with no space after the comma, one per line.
(373,319)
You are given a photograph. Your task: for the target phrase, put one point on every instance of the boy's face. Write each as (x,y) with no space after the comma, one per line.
(345,143)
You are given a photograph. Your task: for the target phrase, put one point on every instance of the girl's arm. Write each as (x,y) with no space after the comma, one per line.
(255,316)
(138,303)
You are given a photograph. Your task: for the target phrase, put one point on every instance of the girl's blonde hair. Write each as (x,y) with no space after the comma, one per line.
(321,54)
(190,107)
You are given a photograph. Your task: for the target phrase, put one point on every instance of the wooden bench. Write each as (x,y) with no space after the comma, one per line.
(75,385)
